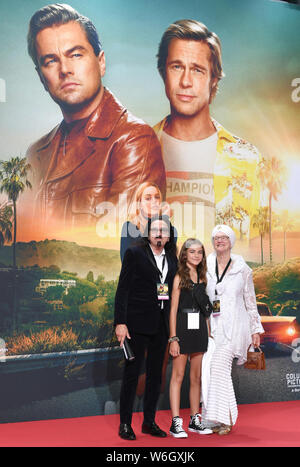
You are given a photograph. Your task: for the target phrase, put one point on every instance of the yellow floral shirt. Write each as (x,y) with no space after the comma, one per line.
(236,183)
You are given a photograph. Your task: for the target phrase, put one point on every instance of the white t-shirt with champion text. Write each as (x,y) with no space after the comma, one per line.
(190,190)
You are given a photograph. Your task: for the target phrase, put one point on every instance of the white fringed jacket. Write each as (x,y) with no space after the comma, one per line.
(239,318)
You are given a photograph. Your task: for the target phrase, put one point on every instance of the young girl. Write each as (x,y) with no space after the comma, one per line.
(190,310)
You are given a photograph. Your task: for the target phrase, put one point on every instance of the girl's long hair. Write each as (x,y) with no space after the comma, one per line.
(183,269)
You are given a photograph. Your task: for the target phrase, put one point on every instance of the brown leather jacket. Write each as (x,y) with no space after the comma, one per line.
(115,153)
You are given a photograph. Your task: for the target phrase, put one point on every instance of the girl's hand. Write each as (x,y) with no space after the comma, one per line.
(174,349)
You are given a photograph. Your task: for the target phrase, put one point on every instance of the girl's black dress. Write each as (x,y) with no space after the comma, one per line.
(193,340)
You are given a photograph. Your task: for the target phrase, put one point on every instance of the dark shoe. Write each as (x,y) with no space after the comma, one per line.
(176,429)
(197,427)
(153,430)
(126,432)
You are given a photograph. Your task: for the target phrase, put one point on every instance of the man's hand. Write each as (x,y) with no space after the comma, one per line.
(122,332)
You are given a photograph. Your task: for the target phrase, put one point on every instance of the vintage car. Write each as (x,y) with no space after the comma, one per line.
(278,329)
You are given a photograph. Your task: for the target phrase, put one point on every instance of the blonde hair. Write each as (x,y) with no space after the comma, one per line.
(190,29)
(135,216)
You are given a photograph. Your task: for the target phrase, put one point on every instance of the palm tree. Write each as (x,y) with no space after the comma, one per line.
(272,175)
(13,181)
(5,223)
(286,223)
(260,221)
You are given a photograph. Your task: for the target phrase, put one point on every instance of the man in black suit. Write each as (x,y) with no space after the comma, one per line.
(142,306)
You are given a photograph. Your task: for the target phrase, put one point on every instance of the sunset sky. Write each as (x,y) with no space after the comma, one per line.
(261,56)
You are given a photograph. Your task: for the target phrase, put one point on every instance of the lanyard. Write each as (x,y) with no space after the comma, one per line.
(224,272)
(162,269)
(193,299)
(152,260)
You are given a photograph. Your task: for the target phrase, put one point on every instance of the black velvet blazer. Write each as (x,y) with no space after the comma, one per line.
(136,302)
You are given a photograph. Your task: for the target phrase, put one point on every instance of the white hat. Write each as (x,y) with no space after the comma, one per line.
(225,229)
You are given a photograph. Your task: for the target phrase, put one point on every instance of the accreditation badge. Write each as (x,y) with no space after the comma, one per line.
(216,308)
(162,291)
(193,320)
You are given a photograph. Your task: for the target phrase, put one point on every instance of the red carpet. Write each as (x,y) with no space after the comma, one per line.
(261,425)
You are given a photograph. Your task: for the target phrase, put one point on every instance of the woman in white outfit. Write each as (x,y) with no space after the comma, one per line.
(235,324)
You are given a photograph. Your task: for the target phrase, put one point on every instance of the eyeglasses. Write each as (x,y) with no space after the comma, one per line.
(222,238)
(162,231)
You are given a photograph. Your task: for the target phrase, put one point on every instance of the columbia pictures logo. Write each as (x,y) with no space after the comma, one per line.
(296,92)
(296,351)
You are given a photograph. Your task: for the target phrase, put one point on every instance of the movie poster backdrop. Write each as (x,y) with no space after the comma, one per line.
(58,354)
